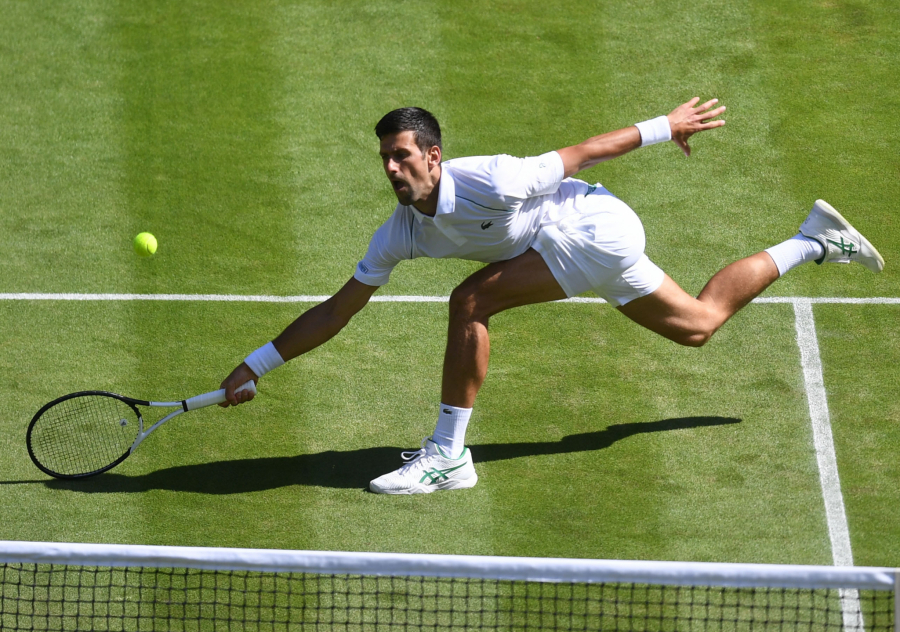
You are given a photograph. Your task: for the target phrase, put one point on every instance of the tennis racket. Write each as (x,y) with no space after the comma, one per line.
(86,433)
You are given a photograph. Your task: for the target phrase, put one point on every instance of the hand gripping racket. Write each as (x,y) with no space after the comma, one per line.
(89,432)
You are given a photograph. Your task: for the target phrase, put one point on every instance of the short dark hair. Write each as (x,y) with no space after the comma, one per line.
(417,120)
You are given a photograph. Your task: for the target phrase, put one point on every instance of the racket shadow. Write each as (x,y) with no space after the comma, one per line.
(349,468)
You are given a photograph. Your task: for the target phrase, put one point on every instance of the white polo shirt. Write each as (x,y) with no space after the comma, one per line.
(490,208)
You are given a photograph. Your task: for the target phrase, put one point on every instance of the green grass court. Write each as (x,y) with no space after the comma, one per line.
(240,134)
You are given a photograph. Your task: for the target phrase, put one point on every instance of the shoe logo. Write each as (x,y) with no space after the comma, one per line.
(486,225)
(435,476)
(846,248)
(591,189)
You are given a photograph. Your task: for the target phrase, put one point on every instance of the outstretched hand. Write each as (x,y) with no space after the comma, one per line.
(686,120)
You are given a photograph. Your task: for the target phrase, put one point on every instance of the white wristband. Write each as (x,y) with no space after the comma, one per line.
(654,131)
(264,359)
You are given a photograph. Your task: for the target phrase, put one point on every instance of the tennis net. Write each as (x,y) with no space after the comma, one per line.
(54,586)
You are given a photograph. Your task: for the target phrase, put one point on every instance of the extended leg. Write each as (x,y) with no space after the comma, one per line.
(673,313)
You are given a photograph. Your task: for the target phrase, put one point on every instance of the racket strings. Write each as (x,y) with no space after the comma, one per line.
(84,434)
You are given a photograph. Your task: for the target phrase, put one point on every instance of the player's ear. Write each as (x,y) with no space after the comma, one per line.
(433,156)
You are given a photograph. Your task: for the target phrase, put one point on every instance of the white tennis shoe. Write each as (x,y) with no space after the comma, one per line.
(427,470)
(841,241)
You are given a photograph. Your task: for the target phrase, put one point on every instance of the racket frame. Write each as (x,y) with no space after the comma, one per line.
(199,401)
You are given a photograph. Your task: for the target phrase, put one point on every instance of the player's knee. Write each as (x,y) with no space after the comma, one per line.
(698,330)
(695,340)
(694,337)
(466,303)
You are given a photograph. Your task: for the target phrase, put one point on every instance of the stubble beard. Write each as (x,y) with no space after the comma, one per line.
(408,197)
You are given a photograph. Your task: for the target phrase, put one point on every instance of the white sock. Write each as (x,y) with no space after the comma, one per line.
(450,431)
(791,253)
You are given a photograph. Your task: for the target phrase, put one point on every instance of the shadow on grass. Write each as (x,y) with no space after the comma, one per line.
(351,468)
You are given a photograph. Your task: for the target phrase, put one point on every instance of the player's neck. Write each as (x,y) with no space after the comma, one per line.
(428,205)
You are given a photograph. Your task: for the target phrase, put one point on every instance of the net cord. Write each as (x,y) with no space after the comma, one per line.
(473,566)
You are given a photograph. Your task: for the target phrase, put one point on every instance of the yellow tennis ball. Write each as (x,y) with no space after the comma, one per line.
(145,244)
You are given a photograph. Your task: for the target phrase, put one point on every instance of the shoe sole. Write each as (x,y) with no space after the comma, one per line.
(453,483)
(826,209)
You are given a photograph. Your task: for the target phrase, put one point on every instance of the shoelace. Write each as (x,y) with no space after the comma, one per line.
(412,457)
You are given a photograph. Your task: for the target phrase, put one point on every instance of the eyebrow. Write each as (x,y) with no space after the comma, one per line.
(400,150)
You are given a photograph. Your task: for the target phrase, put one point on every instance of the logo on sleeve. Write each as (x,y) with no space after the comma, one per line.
(486,225)
(363,268)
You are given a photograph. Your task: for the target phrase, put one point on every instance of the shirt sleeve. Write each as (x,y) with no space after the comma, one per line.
(391,244)
(522,178)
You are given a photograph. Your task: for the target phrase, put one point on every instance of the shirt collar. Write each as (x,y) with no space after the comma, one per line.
(446,193)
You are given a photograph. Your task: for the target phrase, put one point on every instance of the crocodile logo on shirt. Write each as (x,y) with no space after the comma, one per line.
(486,225)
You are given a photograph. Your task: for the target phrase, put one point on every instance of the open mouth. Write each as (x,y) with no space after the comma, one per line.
(398,185)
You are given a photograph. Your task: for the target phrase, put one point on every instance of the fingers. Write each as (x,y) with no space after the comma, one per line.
(705,116)
(712,124)
(234,397)
(690,118)
(706,105)
(244,396)
(694,116)
(241,375)
(701,110)
(230,399)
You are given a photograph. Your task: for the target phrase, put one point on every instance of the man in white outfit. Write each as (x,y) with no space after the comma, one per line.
(545,236)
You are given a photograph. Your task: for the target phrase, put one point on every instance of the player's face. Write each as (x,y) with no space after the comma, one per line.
(407,168)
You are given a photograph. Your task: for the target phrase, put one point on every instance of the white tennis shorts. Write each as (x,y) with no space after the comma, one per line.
(597,243)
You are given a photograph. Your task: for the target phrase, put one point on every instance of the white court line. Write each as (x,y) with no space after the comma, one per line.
(262,298)
(822,437)
(835,513)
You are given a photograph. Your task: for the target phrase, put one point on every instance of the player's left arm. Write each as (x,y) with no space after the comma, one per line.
(684,121)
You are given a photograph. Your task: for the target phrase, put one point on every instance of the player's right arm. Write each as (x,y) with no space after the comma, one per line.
(313,328)
(390,244)
(321,323)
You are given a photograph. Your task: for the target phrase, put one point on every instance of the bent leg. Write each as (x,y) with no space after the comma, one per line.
(524,280)
(673,313)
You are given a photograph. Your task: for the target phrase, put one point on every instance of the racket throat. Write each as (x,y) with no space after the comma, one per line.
(138,440)
(143,435)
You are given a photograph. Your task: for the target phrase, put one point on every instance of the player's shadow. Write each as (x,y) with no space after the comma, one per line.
(351,468)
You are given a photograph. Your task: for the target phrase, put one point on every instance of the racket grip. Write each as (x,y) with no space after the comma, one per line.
(214,397)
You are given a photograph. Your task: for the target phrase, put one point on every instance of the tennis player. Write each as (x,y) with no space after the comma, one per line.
(545,236)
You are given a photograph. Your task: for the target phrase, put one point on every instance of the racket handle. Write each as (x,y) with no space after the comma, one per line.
(214,397)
